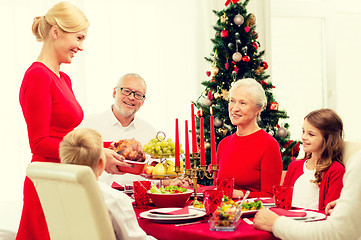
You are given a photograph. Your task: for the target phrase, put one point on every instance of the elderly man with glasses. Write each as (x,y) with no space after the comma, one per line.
(119,121)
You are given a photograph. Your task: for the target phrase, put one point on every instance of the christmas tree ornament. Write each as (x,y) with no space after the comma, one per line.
(208,73)
(224,18)
(244,50)
(238,19)
(237,56)
(231,46)
(215,70)
(224,33)
(274,105)
(210,95)
(255,45)
(218,122)
(265,65)
(251,20)
(237,35)
(226,65)
(246,29)
(223,131)
(207,145)
(229,1)
(225,94)
(282,132)
(245,58)
(206,101)
(259,70)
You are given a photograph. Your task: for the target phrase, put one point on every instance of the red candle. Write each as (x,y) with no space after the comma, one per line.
(213,139)
(203,153)
(188,161)
(176,150)
(194,132)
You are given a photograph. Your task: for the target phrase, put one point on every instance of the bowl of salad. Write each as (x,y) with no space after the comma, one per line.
(169,196)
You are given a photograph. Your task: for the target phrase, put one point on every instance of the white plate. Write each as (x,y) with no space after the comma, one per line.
(193,214)
(311,216)
(162,212)
(262,198)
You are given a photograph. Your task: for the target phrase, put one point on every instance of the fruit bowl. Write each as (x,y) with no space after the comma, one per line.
(162,200)
(136,167)
(161,169)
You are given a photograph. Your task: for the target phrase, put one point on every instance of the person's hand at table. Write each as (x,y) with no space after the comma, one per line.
(264,219)
(329,207)
(237,194)
(113,160)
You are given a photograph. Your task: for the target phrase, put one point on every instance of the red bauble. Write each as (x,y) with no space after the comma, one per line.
(246,29)
(255,45)
(226,65)
(265,65)
(245,58)
(224,33)
(274,106)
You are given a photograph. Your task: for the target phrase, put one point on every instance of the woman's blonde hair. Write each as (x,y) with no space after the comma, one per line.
(331,127)
(82,146)
(65,15)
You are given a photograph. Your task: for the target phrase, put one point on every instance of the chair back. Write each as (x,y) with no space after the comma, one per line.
(350,149)
(72,202)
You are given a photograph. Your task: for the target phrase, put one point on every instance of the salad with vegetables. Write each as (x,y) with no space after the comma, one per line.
(167,190)
(248,206)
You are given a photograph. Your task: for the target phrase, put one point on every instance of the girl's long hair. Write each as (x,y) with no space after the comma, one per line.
(331,127)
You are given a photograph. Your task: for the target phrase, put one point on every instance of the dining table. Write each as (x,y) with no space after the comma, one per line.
(199,230)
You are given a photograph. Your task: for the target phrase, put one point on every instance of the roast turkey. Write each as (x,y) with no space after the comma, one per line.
(130,149)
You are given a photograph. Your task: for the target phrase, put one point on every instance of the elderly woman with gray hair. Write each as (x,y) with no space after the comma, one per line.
(251,156)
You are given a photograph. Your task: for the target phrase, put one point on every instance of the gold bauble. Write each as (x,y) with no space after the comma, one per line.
(251,20)
(215,70)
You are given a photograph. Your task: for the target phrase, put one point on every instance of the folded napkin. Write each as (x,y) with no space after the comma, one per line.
(267,200)
(287,213)
(181,211)
(117,186)
(204,188)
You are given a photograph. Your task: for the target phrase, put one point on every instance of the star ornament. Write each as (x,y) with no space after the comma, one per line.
(224,18)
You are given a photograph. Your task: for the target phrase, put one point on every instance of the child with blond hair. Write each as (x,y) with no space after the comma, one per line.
(84,146)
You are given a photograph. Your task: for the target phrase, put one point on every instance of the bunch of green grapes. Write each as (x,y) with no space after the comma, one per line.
(161,148)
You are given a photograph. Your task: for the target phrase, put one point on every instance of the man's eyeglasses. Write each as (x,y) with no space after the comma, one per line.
(127,92)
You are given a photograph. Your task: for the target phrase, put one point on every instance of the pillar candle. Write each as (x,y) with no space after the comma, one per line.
(213,139)
(194,132)
(203,153)
(188,161)
(176,150)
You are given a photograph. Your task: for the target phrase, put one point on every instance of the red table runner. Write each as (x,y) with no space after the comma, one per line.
(199,231)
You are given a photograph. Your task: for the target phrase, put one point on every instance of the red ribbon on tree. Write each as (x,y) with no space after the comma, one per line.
(229,1)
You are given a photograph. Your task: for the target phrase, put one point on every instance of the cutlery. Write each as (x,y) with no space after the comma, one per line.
(190,223)
(244,198)
(248,221)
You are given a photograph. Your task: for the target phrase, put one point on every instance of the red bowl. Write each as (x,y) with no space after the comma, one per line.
(135,168)
(170,200)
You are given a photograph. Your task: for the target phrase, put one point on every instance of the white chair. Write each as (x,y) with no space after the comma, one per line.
(73,205)
(350,149)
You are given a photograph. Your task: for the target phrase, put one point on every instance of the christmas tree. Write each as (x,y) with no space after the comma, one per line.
(236,55)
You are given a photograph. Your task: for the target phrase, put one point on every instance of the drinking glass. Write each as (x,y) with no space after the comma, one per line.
(212,199)
(283,196)
(225,184)
(141,196)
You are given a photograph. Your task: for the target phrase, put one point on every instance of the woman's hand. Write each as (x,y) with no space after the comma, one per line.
(238,194)
(329,207)
(113,160)
(264,219)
